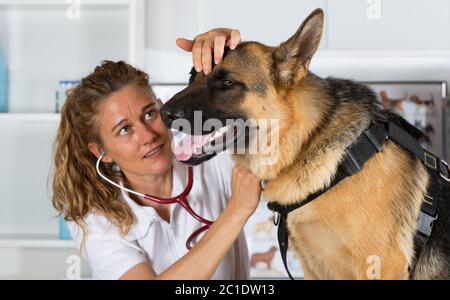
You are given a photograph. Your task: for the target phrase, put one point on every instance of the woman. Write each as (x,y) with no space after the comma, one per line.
(112,116)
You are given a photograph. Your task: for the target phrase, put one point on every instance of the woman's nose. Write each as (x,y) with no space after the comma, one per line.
(145,134)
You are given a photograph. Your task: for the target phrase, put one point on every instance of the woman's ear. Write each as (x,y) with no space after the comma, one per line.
(97,151)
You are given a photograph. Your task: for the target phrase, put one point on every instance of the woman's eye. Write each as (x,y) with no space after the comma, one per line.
(228,83)
(149,115)
(124,130)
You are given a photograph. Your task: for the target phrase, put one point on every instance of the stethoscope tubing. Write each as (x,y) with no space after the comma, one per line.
(181,199)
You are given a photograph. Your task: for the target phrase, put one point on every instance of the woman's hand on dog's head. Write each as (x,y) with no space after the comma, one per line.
(205,44)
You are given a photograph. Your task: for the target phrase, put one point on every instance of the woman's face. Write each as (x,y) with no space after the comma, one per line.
(133,133)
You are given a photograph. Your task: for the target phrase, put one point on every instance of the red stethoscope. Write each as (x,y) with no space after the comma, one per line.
(181,199)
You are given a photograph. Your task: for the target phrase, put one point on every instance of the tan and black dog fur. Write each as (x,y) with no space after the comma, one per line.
(370,214)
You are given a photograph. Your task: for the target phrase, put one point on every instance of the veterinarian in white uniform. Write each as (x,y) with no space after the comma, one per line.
(129,141)
(152,239)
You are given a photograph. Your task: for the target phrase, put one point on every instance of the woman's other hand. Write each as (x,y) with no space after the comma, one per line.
(207,44)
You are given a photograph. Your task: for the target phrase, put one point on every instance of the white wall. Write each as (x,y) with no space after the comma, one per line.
(403,27)
(403,24)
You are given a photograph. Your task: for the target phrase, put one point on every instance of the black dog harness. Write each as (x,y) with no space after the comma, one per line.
(367,144)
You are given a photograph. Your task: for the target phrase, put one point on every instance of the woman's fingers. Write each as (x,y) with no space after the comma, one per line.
(208,46)
(185,44)
(235,38)
(197,54)
(195,47)
(206,57)
(219,47)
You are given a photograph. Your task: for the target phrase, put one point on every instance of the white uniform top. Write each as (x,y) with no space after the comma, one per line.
(110,254)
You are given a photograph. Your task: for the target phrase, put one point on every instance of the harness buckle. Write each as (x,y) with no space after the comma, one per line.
(430,160)
(448,170)
(355,165)
(425,224)
(428,199)
(372,139)
(276,218)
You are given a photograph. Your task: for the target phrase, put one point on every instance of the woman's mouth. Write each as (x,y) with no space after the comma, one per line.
(153,152)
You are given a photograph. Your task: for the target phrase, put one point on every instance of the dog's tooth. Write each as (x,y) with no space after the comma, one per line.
(215,135)
(229,129)
(178,136)
(222,131)
(210,138)
(198,150)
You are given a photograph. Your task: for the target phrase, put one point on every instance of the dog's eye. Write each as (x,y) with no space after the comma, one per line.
(227,83)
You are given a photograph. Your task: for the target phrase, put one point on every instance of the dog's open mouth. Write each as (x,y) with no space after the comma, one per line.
(187,147)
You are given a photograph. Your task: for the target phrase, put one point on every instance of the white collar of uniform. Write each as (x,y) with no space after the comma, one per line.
(179,182)
(145,214)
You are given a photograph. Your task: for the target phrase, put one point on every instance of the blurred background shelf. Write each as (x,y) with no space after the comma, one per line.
(30,117)
(34,241)
(62,2)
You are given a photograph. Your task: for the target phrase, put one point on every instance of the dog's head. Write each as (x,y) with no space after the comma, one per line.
(252,83)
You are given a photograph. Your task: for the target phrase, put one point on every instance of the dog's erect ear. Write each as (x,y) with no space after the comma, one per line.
(292,58)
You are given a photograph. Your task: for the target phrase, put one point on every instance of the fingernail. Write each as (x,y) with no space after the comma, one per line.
(232,46)
(198,69)
(206,72)
(216,61)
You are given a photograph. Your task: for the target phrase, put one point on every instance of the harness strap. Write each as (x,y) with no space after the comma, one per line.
(428,215)
(436,168)
(410,144)
(366,145)
(369,143)
(283,242)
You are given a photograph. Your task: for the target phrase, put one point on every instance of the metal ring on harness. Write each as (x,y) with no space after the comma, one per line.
(263,184)
(276,218)
(442,175)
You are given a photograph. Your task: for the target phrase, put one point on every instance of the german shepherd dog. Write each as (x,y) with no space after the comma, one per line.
(372,213)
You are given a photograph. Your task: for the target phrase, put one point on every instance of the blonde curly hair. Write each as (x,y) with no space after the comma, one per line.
(77,190)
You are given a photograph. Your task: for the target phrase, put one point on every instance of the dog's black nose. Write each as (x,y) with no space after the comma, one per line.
(169,114)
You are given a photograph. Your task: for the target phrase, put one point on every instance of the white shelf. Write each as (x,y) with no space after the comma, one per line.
(34,241)
(30,117)
(63,2)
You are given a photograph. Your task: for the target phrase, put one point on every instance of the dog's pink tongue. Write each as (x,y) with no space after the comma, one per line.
(186,148)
